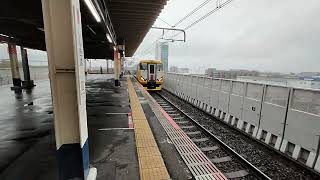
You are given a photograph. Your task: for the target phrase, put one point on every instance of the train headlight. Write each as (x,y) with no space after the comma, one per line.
(143,79)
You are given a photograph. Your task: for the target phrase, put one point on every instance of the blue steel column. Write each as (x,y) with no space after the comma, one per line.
(62,25)
(27,83)
(16,80)
(116,67)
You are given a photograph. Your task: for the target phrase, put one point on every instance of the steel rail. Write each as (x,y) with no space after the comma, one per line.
(242,160)
(289,158)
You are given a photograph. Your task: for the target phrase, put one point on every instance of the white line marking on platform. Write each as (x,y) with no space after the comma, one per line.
(107,129)
(116,113)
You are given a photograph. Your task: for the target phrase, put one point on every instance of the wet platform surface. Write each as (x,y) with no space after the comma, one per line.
(173,161)
(111,141)
(27,144)
(27,134)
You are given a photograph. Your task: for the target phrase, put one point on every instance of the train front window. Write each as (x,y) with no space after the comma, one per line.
(159,67)
(143,66)
(151,69)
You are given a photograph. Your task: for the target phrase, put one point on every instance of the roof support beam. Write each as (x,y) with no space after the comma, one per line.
(145,2)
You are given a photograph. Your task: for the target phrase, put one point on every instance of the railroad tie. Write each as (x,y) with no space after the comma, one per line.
(187,127)
(200,139)
(174,114)
(210,148)
(221,160)
(167,108)
(236,174)
(177,118)
(182,122)
(193,133)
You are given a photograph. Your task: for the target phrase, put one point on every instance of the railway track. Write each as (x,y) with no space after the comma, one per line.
(231,163)
(274,165)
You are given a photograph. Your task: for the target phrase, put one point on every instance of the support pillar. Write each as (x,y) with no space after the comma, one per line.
(116,67)
(27,83)
(121,66)
(85,67)
(62,25)
(107,66)
(16,80)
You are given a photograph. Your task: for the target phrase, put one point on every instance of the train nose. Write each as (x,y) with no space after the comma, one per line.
(151,84)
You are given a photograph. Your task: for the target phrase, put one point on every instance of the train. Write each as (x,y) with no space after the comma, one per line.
(150,74)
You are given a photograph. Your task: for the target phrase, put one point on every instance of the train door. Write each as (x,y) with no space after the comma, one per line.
(143,71)
(152,72)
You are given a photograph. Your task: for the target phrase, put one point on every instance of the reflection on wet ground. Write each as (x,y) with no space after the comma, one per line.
(26,119)
(111,143)
(27,144)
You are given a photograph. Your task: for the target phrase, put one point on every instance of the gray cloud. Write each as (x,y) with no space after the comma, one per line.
(266,35)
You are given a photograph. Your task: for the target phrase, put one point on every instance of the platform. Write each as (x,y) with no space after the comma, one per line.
(120,151)
(27,146)
(115,148)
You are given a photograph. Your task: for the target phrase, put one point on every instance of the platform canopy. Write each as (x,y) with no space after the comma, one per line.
(127,21)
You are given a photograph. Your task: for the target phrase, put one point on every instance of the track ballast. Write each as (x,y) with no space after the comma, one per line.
(269,163)
(232,164)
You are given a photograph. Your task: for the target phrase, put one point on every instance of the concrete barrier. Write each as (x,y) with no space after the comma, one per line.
(302,125)
(287,119)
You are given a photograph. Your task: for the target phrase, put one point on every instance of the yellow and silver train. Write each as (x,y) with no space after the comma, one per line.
(150,74)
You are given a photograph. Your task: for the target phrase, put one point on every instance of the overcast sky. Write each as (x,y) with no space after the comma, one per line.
(35,57)
(265,35)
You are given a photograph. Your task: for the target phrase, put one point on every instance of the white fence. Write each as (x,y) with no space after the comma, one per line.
(287,119)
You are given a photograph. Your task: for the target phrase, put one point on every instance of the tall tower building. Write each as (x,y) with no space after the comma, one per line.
(162,53)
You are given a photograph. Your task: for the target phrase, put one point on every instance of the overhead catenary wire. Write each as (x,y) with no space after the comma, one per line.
(180,21)
(218,7)
(192,12)
(165,22)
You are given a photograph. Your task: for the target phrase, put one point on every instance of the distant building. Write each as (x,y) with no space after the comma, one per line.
(308,74)
(229,74)
(173,69)
(212,72)
(184,70)
(311,76)
(284,81)
(275,75)
(162,53)
(176,69)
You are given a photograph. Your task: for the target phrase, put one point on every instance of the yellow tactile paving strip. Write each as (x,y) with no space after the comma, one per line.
(151,164)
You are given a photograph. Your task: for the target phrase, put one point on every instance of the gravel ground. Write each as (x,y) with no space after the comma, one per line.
(271,163)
